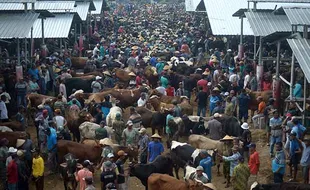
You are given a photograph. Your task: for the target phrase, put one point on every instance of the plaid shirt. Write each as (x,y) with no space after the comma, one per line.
(241,175)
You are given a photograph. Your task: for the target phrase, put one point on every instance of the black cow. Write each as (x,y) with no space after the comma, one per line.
(79,83)
(282,186)
(68,169)
(181,156)
(230,126)
(162,165)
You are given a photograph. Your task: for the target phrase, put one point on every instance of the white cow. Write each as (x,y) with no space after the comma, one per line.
(87,130)
(112,114)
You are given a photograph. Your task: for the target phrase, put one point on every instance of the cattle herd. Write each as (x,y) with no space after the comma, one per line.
(146,66)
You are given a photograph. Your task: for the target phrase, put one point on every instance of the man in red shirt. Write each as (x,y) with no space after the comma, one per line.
(170,90)
(12,173)
(253,163)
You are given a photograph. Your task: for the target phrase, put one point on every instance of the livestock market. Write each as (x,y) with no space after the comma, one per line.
(154,94)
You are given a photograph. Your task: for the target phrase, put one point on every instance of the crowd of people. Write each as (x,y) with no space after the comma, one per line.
(135,37)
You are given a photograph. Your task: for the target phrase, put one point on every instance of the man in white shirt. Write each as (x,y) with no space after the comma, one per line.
(96,50)
(59,120)
(161,89)
(3,110)
(96,85)
(234,77)
(142,100)
(247,79)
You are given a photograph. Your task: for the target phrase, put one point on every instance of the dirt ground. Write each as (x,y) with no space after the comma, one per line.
(53,182)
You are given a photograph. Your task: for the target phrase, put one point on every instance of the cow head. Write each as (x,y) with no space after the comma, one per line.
(132,168)
(70,165)
(84,115)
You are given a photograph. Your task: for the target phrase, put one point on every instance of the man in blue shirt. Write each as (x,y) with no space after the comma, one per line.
(206,163)
(275,124)
(243,101)
(294,155)
(51,147)
(155,148)
(153,61)
(278,164)
(298,128)
(305,159)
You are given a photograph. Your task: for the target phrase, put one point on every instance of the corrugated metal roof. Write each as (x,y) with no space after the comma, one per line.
(40,5)
(54,5)
(281,1)
(82,8)
(266,23)
(221,20)
(298,15)
(16,25)
(54,27)
(18,1)
(98,5)
(191,5)
(301,50)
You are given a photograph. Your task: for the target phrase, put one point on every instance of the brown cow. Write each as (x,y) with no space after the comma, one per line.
(95,73)
(13,136)
(127,97)
(158,105)
(122,75)
(36,99)
(165,182)
(164,98)
(80,151)
(14,125)
(131,153)
(78,62)
(74,120)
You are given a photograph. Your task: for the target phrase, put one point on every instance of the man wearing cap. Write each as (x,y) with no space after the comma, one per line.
(96,85)
(121,182)
(199,175)
(275,124)
(215,127)
(143,143)
(38,169)
(227,140)
(294,154)
(254,163)
(108,175)
(119,126)
(233,159)
(155,148)
(23,171)
(305,159)
(260,111)
(246,139)
(12,173)
(83,173)
(130,135)
(278,164)
(206,163)
(240,175)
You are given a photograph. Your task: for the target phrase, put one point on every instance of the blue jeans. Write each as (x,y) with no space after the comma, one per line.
(21,100)
(274,140)
(203,110)
(12,186)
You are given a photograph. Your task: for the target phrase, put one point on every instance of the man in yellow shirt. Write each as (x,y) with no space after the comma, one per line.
(38,169)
